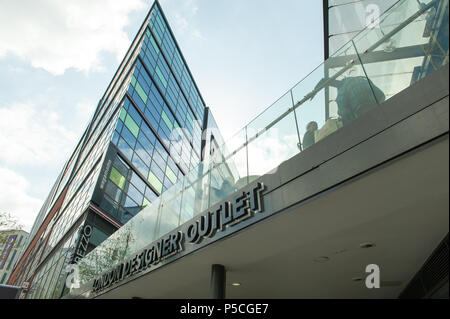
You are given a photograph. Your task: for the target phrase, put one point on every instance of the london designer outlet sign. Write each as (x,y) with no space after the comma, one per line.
(243,206)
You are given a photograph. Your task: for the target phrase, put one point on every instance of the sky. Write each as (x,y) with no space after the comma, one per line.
(58,57)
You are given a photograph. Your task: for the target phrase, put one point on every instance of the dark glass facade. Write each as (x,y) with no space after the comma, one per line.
(146,134)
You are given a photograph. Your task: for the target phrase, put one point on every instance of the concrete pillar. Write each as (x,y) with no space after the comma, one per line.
(218,281)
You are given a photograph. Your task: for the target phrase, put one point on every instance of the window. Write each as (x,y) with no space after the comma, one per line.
(140,91)
(155,46)
(129,137)
(135,194)
(112,190)
(139,164)
(137,182)
(156,183)
(171,175)
(132,126)
(145,142)
(12,258)
(167,120)
(117,178)
(161,76)
(144,153)
(123,114)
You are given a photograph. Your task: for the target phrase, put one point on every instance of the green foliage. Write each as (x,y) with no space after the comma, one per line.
(7,222)
(104,257)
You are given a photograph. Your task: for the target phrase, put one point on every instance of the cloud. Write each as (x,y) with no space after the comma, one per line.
(32,135)
(271,149)
(15,200)
(57,35)
(181,23)
(181,14)
(85,111)
(197,34)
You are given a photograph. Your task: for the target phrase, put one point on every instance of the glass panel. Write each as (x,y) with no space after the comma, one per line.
(196,191)
(140,91)
(171,175)
(132,126)
(409,42)
(156,183)
(155,46)
(161,77)
(123,114)
(167,120)
(234,155)
(117,178)
(113,191)
(170,209)
(349,17)
(133,80)
(146,227)
(224,177)
(331,97)
(272,138)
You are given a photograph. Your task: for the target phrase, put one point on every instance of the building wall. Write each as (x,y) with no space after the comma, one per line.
(144,136)
(158,134)
(11,243)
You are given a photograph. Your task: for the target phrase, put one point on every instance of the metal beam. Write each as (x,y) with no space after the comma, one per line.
(326,30)
(379,56)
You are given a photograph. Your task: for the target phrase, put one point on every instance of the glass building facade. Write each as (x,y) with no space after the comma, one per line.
(145,135)
(410,42)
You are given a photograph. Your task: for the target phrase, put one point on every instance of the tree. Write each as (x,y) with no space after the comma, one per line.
(7,222)
(111,252)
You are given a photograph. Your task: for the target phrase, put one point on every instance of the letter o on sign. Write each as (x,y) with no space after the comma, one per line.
(192,232)
(87,231)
